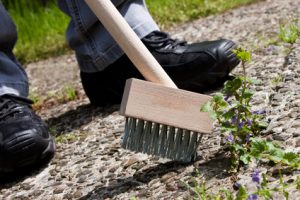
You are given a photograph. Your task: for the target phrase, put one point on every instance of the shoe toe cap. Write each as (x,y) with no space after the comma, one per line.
(24,148)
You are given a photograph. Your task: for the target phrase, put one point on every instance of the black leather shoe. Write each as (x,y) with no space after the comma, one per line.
(196,67)
(24,137)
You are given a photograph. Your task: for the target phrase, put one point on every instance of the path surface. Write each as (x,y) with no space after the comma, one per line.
(89,163)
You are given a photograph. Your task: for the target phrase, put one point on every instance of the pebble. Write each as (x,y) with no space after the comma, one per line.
(132,160)
(81,179)
(77,194)
(171,187)
(58,190)
(88,166)
(297,143)
(282,136)
(168,176)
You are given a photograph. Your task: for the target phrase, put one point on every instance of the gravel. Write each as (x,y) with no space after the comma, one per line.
(89,163)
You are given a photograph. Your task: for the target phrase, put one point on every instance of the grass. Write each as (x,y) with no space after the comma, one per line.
(169,12)
(42,28)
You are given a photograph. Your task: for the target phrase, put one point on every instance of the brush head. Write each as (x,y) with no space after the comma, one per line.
(163,121)
(160,140)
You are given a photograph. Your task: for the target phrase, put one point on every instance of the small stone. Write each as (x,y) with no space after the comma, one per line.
(282,136)
(81,179)
(153,182)
(138,166)
(165,177)
(171,187)
(26,186)
(272,126)
(284,90)
(269,138)
(296,124)
(52,172)
(58,190)
(297,143)
(37,193)
(68,196)
(277,130)
(77,194)
(113,169)
(144,193)
(132,160)
(291,143)
(296,134)
(102,169)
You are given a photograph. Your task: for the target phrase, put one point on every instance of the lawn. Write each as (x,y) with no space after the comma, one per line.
(41,26)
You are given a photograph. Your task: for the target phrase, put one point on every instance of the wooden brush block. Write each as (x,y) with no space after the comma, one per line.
(174,107)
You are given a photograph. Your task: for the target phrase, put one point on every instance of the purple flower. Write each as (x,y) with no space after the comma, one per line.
(253,197)
(271,48)
(230,138)
(226,98)
(240,125)
(256,176)
(236,185)
(234,119)
(248,136)
(259,112)
(249,122)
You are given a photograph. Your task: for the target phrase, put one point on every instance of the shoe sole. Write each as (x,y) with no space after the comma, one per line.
(43,158)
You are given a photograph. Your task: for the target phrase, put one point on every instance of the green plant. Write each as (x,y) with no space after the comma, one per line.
(241,125)
(70,93)
(68,138)
(289,33)
(232,109)
(276,80)
(34,97)
(199,190)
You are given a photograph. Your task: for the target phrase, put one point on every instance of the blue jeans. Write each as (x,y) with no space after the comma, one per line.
(95,49)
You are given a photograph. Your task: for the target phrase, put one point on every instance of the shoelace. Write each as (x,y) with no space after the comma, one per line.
(8,108)
(158,39)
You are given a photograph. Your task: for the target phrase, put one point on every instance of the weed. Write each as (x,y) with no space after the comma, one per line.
(262,189)
(70,93)
(68,138)
(241,125)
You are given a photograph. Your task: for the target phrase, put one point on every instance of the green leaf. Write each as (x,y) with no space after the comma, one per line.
(237,83)
(291,159)
(290,156)
(254,81)
(243,54)
(218,97)
(263,125)
(289,34)
(257,147)
(207,107)
(232,86)
(242,193)
(298,183)
(229,114)
(248,94)
(246,158)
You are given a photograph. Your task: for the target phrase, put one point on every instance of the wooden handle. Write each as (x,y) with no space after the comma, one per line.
(129,42)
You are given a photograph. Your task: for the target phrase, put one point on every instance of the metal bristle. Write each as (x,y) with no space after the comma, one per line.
(161,140)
